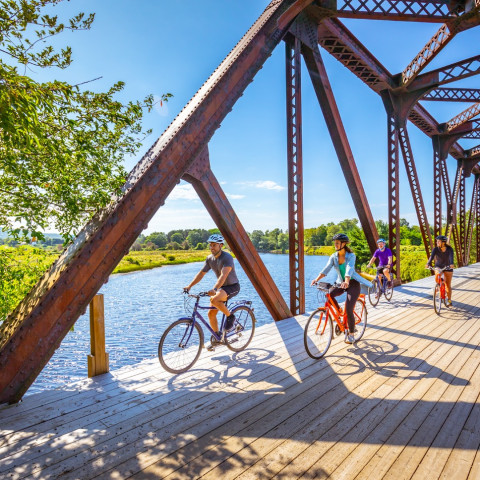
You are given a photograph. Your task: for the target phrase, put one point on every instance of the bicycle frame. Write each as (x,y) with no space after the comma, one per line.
(197,315)
(331,308)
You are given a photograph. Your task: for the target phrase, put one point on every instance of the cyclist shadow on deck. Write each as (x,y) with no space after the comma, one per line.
(387,359)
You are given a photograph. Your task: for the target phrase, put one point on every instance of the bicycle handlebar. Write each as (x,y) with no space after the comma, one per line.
(433,269)
(325,286)
(198,295)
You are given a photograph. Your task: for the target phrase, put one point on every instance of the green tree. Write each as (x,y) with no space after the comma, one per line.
(195,237)
(61,145)
(158,238)
(177,237)
(256,237)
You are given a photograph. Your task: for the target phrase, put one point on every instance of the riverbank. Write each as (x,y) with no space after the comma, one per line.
(146,260)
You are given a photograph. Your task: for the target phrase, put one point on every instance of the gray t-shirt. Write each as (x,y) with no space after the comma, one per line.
(216,264)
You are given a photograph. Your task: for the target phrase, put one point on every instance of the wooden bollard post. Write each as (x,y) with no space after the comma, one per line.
(98,360)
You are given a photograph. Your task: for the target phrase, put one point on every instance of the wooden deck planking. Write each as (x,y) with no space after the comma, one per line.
(271,411)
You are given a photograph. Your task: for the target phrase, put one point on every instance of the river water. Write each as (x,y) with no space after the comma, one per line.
(140,305)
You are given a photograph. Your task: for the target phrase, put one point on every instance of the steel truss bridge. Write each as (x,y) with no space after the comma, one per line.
(32,333)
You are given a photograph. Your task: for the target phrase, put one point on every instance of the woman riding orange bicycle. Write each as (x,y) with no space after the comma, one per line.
(343,260)
(442,255)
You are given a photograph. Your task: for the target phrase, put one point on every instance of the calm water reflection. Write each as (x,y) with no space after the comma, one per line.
(139,306)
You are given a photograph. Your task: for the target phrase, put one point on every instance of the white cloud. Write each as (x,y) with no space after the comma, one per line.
(264,184)
(233,196)
(183,192)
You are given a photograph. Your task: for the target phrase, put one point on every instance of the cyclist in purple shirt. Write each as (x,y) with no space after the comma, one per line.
(385,258)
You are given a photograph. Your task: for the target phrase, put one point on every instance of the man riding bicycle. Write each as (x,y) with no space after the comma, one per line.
(226,286)
(385,257)
(442,255)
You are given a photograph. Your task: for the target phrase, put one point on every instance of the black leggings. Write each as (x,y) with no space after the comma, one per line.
(353,291)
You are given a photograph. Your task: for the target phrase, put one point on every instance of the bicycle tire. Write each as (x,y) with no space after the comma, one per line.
(374,293)
(244,328)
(388,291)
(437,299)
(318,333)
(360,314)
(174,357)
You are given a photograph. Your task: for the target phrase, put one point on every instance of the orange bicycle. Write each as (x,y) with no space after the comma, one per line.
(318,332)
(439,296)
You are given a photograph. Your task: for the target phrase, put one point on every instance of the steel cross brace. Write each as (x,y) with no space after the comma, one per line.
(31,334)
(323,90)
(295,174)
(451,227)
(210,192)
(453,95)
(462,219)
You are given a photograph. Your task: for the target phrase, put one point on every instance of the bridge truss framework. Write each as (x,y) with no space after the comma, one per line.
(31,334)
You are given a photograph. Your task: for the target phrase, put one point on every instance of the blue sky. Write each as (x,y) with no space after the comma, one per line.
(159,46)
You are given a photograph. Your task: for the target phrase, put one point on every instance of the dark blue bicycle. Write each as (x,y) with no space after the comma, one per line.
(182,341)
(380,285)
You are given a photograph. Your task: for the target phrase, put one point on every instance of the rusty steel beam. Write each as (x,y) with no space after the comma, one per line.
(453,95)
(295,175)
(400,10)
(462,219)
(448,74)
(471,219)
(393,191)
(323,90)
(477,217)
(463,117)
(210,192)
(35,329)
(451,228)
(435,45)
(415,188)
(437,193)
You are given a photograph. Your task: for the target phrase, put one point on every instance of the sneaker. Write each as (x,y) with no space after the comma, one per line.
(213,343)
(229,323)
(389,284)
(449,303)
(349,338)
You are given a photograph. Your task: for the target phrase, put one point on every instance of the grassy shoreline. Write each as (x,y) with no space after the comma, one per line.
(146,260)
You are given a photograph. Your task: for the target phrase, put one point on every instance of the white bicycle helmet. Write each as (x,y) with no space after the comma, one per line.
(215,238)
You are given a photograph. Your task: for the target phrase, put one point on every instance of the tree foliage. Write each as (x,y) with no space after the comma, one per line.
(61,146)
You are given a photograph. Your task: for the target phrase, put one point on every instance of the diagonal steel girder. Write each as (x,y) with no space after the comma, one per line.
(295,174)
(323,90)
(210,192)
(36,328)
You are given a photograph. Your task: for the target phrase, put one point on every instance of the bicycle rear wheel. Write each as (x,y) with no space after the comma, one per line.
(374,293)
(180,345)
(318,333)
(360,314)
(244,328)
(437,299)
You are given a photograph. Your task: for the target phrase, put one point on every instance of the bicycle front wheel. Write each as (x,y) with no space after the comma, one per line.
(243,329)
(389,291)
(318,333)
(374,293)
(180,346)
(437,299)
(360,314)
